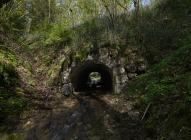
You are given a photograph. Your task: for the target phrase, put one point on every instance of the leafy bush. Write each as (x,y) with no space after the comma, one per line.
(11,96)
(12,17)
(8,75)
(58,33)
(167,86)
(170,76)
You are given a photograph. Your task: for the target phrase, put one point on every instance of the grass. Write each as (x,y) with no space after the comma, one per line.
(164,77)
(11,95)
(167,86)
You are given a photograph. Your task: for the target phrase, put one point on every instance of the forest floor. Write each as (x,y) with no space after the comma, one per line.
(81,117)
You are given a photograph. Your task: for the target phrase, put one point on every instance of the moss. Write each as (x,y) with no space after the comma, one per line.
(11,136)
(167,87)
(8,75)
(8,56)
(177,63)
(11,102)
(169,121)
(83,51)
(164,77)
(11,95)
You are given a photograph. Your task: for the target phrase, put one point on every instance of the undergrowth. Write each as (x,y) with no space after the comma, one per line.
(167,87)
(11,94)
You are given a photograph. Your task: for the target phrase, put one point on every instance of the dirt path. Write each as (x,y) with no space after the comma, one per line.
(94,117)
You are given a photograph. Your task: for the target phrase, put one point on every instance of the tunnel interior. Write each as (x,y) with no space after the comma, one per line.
(92,76)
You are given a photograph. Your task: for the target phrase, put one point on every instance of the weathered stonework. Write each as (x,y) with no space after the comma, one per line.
(124,67)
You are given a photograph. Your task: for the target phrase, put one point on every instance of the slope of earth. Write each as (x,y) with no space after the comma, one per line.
(166,91)
(17,82)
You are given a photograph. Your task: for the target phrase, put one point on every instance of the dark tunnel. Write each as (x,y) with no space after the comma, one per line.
(91,76)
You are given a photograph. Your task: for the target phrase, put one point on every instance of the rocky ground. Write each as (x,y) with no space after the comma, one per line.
(82,117)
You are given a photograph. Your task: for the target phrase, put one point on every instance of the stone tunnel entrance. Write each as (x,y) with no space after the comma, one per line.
(106,71)
(92,76)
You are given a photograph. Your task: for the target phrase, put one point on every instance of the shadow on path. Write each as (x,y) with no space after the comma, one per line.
(90,118)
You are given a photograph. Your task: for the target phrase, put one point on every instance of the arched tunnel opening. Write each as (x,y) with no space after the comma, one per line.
(91,76)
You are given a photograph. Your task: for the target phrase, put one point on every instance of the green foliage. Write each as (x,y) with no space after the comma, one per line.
(162,26)
(41,13)
(58,33)
(8,56)
(11,136)
(11,96)
(174,8)
(49,29)
(8,75)
(164,77)
(11,102)
(82,51)
(171,119)
(167,87)
(12,17)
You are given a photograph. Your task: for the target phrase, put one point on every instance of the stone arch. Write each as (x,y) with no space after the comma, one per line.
(80,76)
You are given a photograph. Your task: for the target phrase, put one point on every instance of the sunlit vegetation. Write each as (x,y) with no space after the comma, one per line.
(40,38)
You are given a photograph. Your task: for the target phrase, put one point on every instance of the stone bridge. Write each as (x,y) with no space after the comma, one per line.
(114,71)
